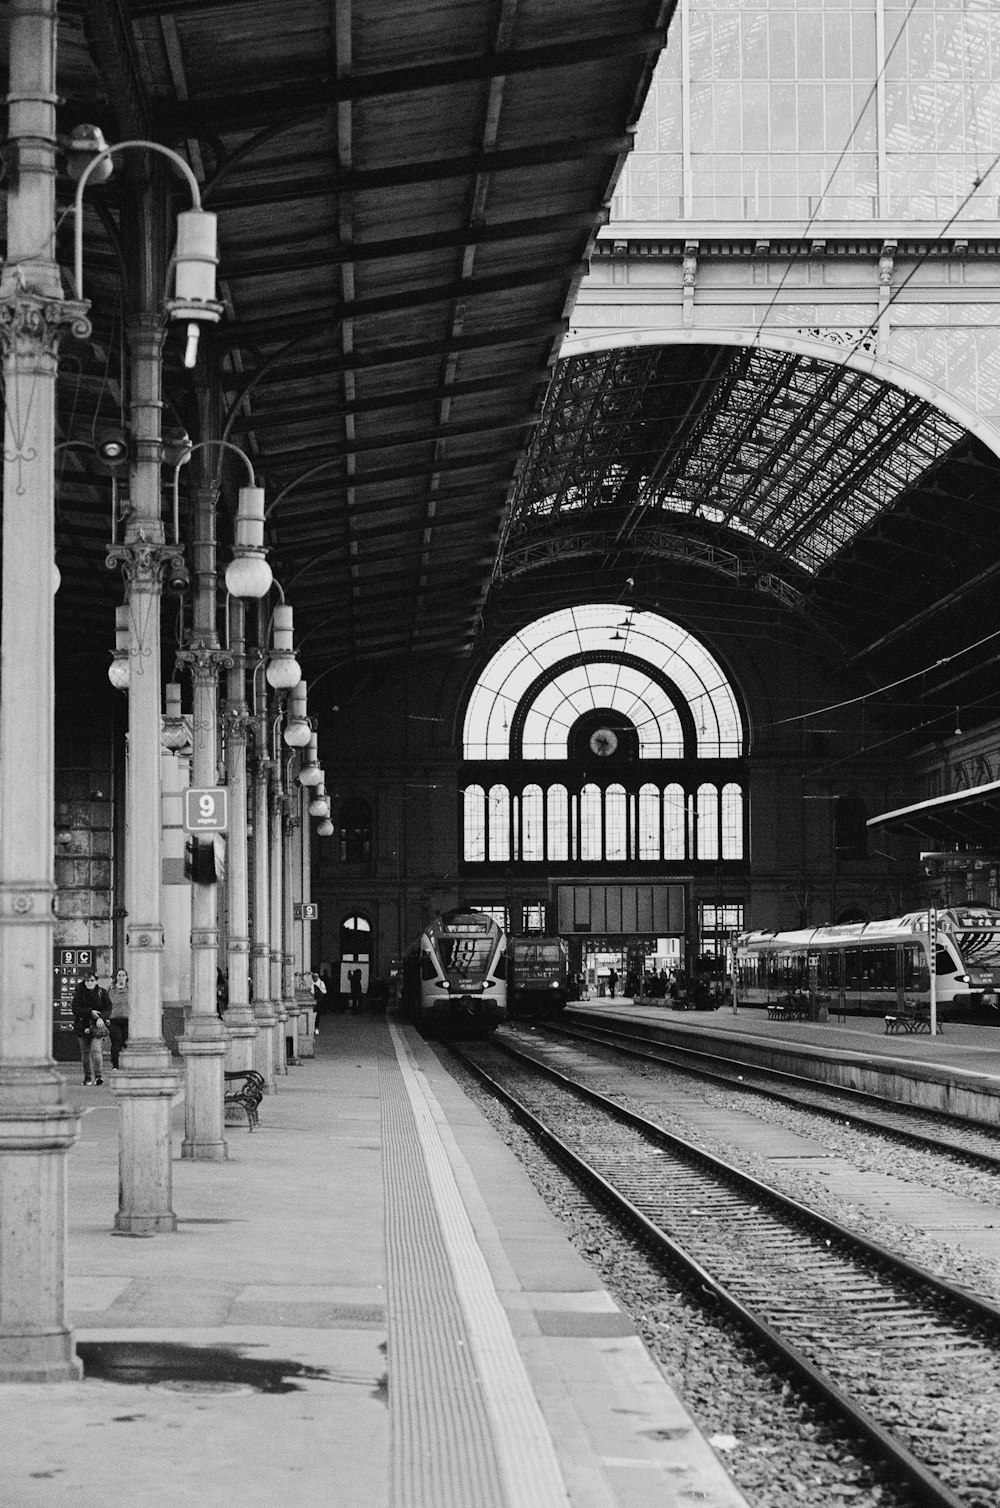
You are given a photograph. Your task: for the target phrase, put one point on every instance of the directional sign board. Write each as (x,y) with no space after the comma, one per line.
(206,811)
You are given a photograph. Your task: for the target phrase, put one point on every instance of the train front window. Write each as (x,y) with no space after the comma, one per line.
(465,957)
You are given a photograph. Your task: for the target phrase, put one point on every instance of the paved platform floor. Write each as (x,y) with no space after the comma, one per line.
(366,1305)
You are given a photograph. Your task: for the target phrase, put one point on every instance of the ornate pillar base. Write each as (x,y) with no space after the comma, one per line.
(145,1088)
(203,1049)
(307,1031)
(278,1040)
(292,1058)
(242,1034)
(36,1133)
(263,1047)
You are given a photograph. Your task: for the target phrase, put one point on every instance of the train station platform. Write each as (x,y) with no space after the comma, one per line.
(366,1304)
(956,1071)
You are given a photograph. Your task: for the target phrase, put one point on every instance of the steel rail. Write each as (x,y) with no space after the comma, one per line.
(737,1079)
(928,1488)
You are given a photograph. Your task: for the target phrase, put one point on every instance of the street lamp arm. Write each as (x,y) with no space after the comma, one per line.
(108,152)
(189,452)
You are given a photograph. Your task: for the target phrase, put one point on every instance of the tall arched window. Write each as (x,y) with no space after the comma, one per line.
(649,822)
(475,824)
(615,823)
(532,830)
(590,823)
(708,822)
(557,823)
(732,821)
(498,823)
(674,824)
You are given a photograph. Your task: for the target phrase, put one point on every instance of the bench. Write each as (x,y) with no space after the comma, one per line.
(244,1091)
(792,1009)
(910,1019)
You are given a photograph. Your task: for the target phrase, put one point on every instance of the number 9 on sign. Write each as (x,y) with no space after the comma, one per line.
(205,811)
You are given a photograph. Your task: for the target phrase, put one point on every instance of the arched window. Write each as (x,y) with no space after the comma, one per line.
(649,822)
(615,823)
(732,822)
(475,824)
(590,823)
(532,831)
(557,823)
(577,659)
(708,822)
(355,939)
(674,824)
(498,823)
(355,824)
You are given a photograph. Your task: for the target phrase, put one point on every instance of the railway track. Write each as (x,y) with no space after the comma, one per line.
(972,1144)
(908,1360)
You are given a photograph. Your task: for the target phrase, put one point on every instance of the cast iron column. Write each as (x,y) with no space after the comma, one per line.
(263,1011)
(37,1125)
(239,1016)
(275,856)
(205,1041)
(146,1085)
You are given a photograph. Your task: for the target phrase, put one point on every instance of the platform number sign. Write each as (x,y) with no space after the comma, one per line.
(206,811)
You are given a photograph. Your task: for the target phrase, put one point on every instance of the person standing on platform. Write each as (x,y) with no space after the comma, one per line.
(354,980)
(612,982)
(90,1001)
(118,1024)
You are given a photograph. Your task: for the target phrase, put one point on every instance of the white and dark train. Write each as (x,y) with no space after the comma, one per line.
(864,967)
(455,975)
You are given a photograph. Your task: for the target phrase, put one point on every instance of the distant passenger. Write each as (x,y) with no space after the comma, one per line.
(612,982)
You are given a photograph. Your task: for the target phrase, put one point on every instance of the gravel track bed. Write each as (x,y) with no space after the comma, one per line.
(862,1148)
(775,1448)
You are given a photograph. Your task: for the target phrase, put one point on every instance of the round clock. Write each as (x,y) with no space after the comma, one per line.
(603,741)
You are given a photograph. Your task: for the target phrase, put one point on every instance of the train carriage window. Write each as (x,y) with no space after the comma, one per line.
(944,963)
(852,968)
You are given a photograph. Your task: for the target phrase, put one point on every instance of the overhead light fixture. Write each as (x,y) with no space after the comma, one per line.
(325,828)
(174,734)
(118,670)
(248,573)
(113,450)
(86,142)
(283,669)
(319,806)
(195,261)
(297,731)
(310,773)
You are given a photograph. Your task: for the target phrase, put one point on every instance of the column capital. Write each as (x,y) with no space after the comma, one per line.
(144,562)
(33,323)
(205,660)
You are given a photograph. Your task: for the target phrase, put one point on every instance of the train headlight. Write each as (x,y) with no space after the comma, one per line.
(963,979)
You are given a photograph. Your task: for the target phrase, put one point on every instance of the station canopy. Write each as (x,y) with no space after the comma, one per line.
(407,198)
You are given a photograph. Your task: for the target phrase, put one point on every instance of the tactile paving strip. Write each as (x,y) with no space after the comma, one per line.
(441,1446)
(495,1433)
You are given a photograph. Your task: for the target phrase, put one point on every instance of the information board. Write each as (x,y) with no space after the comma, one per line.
(69,966)
(206,810)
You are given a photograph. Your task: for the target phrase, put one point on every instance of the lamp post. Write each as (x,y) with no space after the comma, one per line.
(37,1125)
(147,1083)
(206,1039)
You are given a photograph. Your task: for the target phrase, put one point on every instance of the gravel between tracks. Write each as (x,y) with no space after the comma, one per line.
(773,1446)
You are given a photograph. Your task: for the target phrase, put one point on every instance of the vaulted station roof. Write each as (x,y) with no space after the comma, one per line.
(407,194)
(800,486)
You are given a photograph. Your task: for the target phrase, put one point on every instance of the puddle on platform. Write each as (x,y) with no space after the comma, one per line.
(180,1368)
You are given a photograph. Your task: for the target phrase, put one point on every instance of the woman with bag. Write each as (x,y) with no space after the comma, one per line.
(90,1005)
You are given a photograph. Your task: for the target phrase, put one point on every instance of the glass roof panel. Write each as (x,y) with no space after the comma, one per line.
(614,630)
